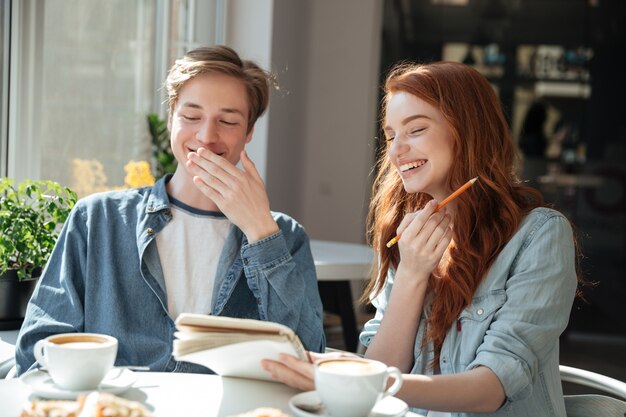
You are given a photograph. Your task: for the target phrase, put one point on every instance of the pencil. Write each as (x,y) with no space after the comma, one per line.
(451,197)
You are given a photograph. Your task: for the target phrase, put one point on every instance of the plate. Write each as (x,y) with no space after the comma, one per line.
(387,407)
(117,381)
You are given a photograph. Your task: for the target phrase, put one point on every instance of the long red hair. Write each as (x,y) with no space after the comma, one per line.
(486,216)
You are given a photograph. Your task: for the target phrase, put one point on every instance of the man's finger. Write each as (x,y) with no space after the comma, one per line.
(249,166)
(219,161)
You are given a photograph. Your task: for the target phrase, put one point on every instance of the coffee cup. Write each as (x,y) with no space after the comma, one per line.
(77,361)
(350,387)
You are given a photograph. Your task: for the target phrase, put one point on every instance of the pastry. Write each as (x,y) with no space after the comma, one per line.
(96,404)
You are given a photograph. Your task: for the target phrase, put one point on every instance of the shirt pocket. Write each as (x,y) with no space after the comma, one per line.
(473,323)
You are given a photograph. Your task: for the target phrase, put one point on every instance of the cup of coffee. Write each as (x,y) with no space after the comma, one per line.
(350,387)
(77,361)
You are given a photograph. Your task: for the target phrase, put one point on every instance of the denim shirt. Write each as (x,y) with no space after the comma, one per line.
(104,276)
(515,319)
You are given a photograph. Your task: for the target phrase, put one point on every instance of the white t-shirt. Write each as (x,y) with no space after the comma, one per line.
(189,248)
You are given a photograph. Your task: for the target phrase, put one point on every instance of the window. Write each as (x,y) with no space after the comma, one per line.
(84,75)
(4,81)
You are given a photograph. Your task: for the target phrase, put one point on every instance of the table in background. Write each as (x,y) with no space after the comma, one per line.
(7,350)
(336,264)
(176,394)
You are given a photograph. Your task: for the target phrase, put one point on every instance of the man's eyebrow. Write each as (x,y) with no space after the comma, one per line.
(192,105)
(233,110)
(225,109)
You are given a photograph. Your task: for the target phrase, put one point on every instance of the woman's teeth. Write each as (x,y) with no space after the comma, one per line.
(411,165)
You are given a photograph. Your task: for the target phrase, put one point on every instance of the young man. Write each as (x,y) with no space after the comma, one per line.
(203,240)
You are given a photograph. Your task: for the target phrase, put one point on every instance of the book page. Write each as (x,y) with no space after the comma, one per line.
(242,359)
(203,322)
(192,342)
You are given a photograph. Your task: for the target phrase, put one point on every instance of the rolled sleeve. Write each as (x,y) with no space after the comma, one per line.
(281,274)
(380,303)
(265,253)
(539,295)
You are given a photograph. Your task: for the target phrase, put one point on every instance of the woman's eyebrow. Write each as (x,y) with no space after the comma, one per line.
(413,117)
(408,119)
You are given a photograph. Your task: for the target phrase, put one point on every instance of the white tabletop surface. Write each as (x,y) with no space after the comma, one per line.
(175,394)
(338,261)
(9,336)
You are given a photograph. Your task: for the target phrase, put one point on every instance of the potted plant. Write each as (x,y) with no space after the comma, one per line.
(164,159)
(31,216)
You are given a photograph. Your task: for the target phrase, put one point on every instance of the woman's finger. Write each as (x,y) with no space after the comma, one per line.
(439,230)
(292,372)
(443,243)
(408,218)
(417,223)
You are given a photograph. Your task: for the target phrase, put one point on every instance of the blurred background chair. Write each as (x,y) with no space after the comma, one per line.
(589,405)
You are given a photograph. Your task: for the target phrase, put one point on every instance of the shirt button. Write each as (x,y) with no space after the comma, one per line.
(444,360)
(480,311)
(245,261)
(150,209)
(150,232)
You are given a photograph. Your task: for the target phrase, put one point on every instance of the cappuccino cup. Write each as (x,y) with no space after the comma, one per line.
(350,387)
(77,361)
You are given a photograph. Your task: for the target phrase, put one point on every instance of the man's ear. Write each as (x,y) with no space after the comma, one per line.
(249,135)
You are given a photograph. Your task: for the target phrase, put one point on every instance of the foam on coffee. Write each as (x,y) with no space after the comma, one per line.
(86,340)
(351,367)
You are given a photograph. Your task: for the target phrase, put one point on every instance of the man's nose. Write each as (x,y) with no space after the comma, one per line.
(207,133)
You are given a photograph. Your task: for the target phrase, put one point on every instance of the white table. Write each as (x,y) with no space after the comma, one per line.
(338,261)
(7,350)
(336,264)
(174,394)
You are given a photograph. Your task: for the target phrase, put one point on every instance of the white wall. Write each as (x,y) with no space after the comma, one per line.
(322,128)
(249,32)
(286,157)
(316,146)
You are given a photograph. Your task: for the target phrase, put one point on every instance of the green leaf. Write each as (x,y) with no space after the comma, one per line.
(31,215)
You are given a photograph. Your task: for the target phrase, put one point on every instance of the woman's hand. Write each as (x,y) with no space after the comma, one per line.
(425,236)
(240,195)
(297,373)
(291,371)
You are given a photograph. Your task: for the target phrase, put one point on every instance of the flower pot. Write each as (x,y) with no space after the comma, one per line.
(14,296)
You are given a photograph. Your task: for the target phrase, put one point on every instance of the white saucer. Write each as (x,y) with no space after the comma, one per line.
(387,407)
(117,381)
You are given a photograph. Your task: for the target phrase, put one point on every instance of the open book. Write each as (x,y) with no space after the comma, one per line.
(231,346)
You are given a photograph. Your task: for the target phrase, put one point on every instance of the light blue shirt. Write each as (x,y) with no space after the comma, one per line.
(104,276)
(515,319)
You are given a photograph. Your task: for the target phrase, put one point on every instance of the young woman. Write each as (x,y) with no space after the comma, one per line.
(472,300)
